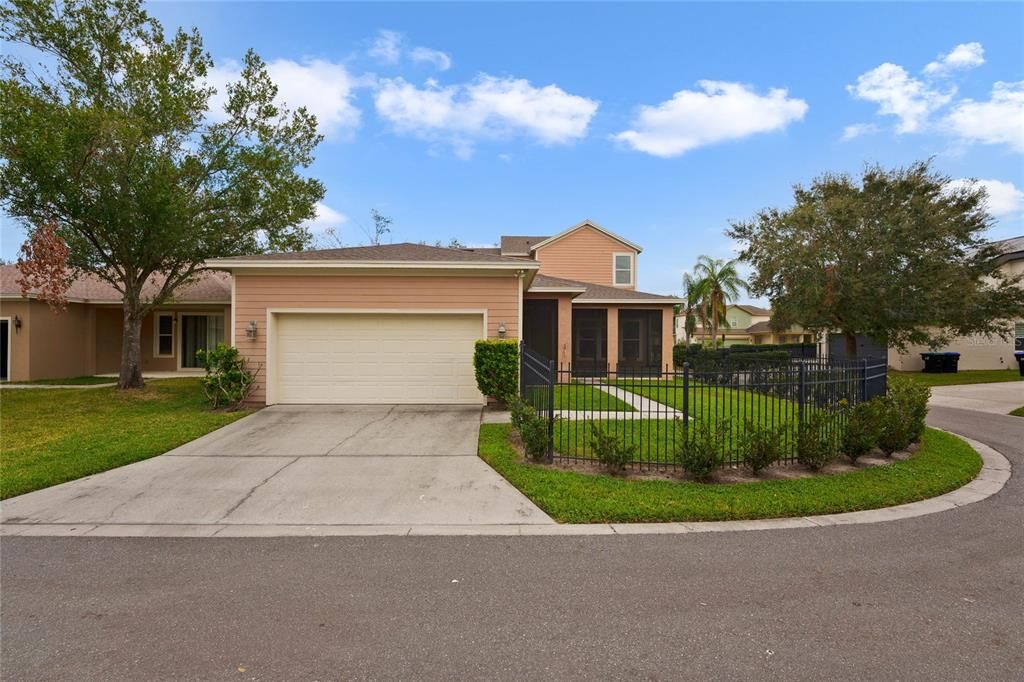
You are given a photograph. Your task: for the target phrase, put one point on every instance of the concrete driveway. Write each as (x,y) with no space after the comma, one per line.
(997,398)
(296,466)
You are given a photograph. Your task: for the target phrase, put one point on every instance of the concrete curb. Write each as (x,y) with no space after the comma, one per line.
(994,474)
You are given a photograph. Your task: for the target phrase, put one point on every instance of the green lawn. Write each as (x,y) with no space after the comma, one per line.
(580,397)
(656,438)
(49,437)
(1019,412)
(70,381)
(943,463)
(971,376)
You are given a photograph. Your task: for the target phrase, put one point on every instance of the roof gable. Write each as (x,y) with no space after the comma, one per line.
(583,225)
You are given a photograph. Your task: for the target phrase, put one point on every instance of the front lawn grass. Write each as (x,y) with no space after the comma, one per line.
(581,397)
(49,437)
(970,376)
(86,380)
(943,463)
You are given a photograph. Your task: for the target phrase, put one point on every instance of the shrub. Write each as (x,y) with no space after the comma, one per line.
(815,446)
(700,449)
(532,428)
(496,363)
(864,424)
(609,451)
(905,407)
(762,446)
(228,382)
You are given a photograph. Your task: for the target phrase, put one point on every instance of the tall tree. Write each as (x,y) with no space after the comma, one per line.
(898,255)
(109,137)
(692,309)
(720,284)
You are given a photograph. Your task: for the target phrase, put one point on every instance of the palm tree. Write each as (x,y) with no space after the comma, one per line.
(719,284)
(692,309)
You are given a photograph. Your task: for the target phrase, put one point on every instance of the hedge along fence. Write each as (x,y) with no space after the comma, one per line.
(496,364)
(787,411)
(700,356)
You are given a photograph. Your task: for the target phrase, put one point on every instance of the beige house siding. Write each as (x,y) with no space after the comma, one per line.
(584,256)
(20,340)
(976,352)
(499,296)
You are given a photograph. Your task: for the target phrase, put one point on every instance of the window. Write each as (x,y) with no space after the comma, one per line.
(623,265)
(164,336)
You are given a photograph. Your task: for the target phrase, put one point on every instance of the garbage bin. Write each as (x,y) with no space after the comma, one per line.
(1020,361)
(941,363)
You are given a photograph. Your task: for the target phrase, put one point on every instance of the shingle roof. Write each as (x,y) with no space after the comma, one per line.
(383,253)
(209,286)
(598,292)
(753,309)
(759,327)
(515,244)
(1010,247)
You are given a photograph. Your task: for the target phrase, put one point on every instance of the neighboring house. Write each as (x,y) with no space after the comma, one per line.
(979,352)
(747,324)
(36,343)
(396,323)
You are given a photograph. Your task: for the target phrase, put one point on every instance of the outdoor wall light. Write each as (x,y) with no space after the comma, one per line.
(250,331)
(501,330)
(17,323)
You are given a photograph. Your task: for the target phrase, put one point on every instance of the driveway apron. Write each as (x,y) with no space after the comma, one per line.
(301,465)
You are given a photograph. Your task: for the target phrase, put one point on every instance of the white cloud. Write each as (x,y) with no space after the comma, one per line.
(857,129)
(389,48)
(324,88)
(386,47)
(963,56)
(1000,120)
(326,218)
(899,94)
(487,107)
(719,111)
(426,55)
(1003,197)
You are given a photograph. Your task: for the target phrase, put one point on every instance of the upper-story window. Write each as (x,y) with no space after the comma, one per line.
(624,265)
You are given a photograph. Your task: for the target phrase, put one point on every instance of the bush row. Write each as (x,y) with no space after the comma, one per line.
(890,423)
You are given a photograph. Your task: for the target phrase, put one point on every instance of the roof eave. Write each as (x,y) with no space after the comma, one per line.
(227,264)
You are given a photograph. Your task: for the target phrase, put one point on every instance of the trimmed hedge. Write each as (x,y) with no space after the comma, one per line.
(703,359)
(496,363)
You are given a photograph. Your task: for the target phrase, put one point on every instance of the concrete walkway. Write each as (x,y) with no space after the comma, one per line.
(997,398)
(287,467)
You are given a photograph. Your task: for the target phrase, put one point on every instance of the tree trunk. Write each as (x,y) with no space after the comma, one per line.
(131,348)
(851,345)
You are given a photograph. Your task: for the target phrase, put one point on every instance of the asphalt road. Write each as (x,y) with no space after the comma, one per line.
(935,597)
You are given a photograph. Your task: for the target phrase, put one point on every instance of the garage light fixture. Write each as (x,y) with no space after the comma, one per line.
(501,330)
(250,331)
(17,323)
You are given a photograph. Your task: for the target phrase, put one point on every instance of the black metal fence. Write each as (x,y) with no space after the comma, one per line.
(652,414)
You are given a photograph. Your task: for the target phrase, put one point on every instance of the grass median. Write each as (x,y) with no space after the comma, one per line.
(943,463)
(53,436)
(970,376)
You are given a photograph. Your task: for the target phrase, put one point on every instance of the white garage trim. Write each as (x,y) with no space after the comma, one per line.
(270,367)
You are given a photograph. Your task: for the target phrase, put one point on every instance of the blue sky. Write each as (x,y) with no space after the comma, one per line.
(660,122)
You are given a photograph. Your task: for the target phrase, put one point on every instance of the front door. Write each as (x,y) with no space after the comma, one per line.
(199,332)
(590,342)
(5,349)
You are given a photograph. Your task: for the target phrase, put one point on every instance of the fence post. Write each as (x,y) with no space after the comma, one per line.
(552,378)
(801,395)
(522,369)
(686,393)
(863,379)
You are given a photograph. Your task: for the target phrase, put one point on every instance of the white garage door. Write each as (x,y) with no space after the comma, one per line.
(375,358)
